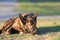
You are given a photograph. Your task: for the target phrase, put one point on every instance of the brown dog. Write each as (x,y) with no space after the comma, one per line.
(6,26)
(15,23)
(30,24)
(23,23)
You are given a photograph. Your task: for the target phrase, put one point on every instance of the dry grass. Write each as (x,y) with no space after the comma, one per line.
(48,22)
(48,36)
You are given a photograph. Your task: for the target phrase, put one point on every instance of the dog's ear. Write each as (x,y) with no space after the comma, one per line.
(20,16)
(35,15)
(24,15)
(23,18)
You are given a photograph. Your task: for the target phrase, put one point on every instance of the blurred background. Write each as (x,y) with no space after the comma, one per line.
(11,8)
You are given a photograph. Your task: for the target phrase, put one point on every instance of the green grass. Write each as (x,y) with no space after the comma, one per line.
(48,22)
(43,8)
(38,0)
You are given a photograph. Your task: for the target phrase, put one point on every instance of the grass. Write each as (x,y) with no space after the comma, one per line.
(48,22)
(43,8)
(38,0)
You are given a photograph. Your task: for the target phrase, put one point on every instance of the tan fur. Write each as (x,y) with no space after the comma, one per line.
(31,23)
(21,23)
(18,25)
(15,23)
(7,25)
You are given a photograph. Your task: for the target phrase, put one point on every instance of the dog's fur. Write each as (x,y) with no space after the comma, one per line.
(31,23)
(23,23)
(7,26)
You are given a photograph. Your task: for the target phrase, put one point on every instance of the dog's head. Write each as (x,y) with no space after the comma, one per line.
(29,20)
(31,23)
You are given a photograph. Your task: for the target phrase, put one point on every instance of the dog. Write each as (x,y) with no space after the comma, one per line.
(23,23)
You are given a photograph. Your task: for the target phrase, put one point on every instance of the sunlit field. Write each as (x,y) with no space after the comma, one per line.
(43,8)
(48,22)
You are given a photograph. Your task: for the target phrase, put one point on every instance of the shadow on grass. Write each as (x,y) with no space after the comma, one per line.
(44,30)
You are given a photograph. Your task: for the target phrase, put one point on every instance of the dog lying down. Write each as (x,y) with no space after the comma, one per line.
(24,23)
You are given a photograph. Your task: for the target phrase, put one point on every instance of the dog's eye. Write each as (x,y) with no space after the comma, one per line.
(24,22)
(32,22)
